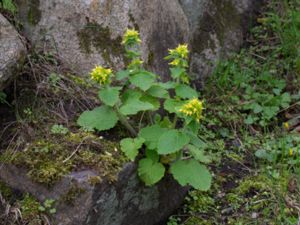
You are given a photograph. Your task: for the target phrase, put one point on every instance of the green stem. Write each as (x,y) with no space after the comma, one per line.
(126,123)
(175,121)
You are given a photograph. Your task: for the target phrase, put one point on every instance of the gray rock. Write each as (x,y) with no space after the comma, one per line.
(216,29)
(11,51)
(126,202)
(88,32)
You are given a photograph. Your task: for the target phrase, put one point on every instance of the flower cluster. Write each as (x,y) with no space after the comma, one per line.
(131,37)
(193,108)
(179,56)
(101,75)
(180,52)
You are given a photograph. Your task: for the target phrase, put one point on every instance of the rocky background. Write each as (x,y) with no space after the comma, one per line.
(88,32)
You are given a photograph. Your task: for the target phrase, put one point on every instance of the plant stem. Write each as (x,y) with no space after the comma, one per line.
(126,123)
(175,121)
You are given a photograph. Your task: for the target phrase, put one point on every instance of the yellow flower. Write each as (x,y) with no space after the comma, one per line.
(131,37)
(175,62)
(291,152)
(193,108)
(286,125)
(181,50)
(101,75)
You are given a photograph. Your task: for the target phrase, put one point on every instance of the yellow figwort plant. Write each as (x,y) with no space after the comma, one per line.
(179,63)
(171,143)
(101,75)
(193,109)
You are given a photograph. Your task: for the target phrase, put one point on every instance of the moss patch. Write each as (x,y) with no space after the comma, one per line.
(29,207)
(73,193)
(94,35)
(48,160)
(34,13)
(5,190)
(225,18)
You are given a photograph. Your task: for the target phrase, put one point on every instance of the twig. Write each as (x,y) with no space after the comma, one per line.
(75,151)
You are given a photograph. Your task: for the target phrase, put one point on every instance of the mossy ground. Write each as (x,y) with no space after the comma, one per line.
(47,94)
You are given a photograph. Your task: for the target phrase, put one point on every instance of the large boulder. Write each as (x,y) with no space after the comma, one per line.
(216,29)
(11,51)
(80,201)
(88,32)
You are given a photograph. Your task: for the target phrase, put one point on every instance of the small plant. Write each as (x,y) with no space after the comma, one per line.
(169,143)
(53,79)
(284,150)
(264,107)
(29,207)
(59,129)
(3,97)
(8,5)
(48,206)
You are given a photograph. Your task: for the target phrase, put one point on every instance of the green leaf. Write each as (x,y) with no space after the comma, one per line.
(193,126)
(285,100)
(150,172)
(52,211)
(171,142)
(122,74)
(158,91)
(152,100)
(249,120)
(101,118)
(9,5)
(172,105)
(143,80)
(166,123)
(196,141)
(257,108)
(168,85)
(131,147)
(132,103)
(176,72)
(110,95)
(191,172)
(185,92)
(263,154)
(152,154)
(198,154)
(151,134)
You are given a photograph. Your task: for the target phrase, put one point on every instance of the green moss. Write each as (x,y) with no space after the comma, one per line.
(254,184)
(73,193)
(225,18)
(199,202)
(47,161)
(34,13)
(94,35)
(29,207)
(5,190)
(94,180)
(193,220)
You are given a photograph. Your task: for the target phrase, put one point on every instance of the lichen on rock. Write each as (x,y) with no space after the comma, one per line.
(94,37)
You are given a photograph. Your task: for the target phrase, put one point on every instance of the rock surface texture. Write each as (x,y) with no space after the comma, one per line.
(126,202)
(11,51)
(88,32)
